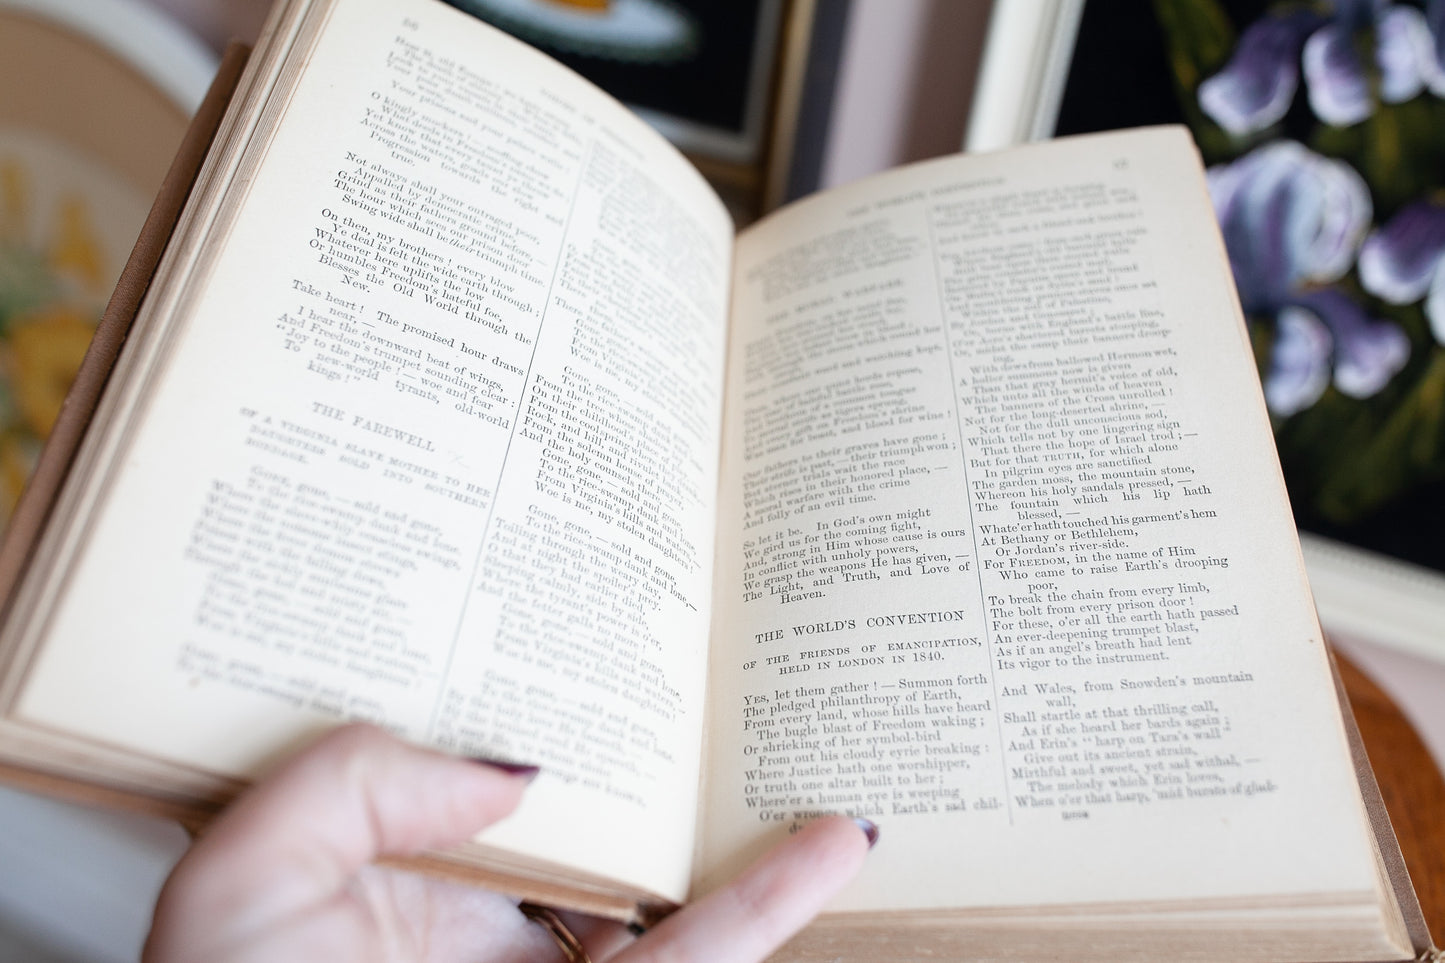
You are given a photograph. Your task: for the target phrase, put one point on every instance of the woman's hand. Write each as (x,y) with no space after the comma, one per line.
(287,873)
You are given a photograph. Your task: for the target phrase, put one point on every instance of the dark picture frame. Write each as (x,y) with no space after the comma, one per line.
(722,79)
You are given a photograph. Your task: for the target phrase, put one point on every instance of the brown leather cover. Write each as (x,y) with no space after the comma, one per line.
(1372,721)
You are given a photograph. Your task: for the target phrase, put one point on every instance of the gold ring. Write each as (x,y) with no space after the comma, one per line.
(570,946)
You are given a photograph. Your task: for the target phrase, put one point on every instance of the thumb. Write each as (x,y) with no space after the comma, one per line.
(299,836)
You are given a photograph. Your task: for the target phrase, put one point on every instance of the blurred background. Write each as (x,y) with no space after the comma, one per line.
(1323,124)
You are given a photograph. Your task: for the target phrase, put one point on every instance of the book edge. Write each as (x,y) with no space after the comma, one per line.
(1397,875)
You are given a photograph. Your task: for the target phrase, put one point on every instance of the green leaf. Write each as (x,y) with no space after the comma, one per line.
(1200,38)
(1375,459)
(26,282)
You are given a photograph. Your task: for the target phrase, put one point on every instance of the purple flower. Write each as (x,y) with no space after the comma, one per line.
(1404,261)
(1289,217)
(1256,87)
(1292,223)
(1435,63)
(1367,352)
(1299,365)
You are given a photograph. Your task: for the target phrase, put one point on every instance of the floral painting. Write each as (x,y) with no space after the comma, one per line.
(1323,127)
(65,228)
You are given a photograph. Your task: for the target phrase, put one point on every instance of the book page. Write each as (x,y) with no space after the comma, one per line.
(435,448)
(1006,561)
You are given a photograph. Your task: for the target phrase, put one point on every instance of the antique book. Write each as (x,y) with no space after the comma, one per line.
(946,498)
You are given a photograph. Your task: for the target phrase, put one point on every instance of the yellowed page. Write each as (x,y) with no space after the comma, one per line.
(436,447)
(1006,563)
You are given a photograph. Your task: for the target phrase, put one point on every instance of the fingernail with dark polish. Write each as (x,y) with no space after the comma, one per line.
(870,829)
(510,768)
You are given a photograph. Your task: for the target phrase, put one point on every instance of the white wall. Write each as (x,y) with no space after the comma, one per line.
(904,84)
(217,21)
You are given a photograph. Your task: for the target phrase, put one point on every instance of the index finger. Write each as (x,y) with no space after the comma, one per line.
(760,910)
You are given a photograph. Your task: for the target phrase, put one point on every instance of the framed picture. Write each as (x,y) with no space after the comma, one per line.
(95,96)
(721,79)
(1324,132)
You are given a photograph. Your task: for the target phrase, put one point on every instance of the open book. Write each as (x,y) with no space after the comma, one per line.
(946,499)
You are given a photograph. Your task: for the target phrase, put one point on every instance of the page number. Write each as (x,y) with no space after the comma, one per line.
(1121,164)
(409,23)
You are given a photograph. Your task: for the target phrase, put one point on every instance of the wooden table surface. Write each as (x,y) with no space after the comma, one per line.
(1411,785)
